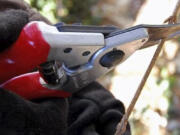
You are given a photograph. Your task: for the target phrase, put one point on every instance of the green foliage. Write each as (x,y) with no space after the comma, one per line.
(46,7)
(74,11)
(80,11)
(176,132)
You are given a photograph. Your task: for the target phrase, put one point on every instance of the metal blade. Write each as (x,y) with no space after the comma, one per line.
(158,32)
(155,32)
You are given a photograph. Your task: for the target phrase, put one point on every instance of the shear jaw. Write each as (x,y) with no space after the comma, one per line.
(117,49)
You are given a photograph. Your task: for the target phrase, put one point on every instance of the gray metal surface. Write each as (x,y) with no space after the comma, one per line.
(89,68)
(128,42)
(78,44)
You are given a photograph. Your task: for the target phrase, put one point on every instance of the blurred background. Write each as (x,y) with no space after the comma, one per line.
(157,111)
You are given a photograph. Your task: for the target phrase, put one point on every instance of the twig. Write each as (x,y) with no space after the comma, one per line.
(121,127)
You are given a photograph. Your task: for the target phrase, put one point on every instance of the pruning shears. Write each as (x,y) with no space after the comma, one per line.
(69,57)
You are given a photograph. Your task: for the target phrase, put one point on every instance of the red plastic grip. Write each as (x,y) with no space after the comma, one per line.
(25,54)
(29,51)
(29,87)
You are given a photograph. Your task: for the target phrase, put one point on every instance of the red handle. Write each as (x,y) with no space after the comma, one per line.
(25,54)
(29,51)
(29,87)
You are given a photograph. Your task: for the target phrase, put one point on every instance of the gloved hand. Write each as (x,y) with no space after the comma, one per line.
(92,111)
(40,117)
(19,116)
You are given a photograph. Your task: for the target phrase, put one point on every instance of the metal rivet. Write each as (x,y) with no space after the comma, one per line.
(67,50)
(86,53)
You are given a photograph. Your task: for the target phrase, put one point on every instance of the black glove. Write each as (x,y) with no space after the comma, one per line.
(14,14)
(94,111)
(19,116)
(22,117)
(12,21)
